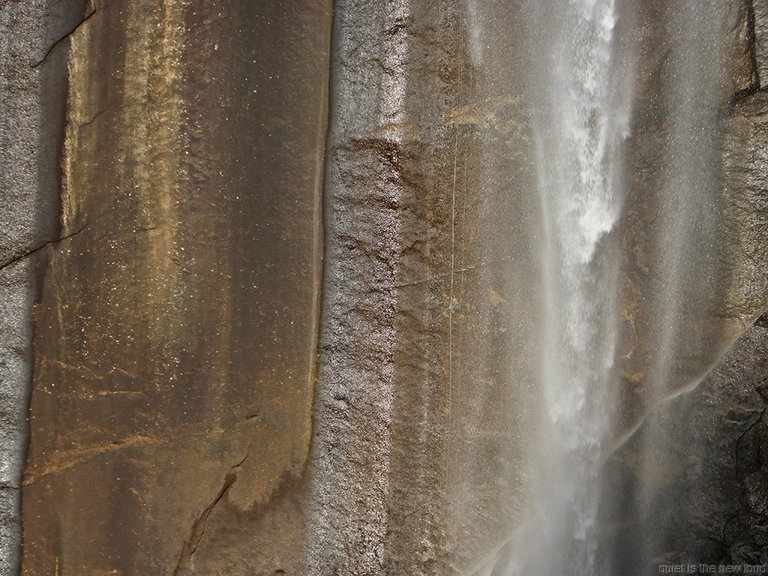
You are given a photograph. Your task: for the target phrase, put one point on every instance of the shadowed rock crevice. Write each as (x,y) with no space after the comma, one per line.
(744,464)
(750,35)
(759,12)
(189,548)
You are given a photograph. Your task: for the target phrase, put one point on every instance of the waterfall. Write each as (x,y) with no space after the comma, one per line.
(579,129)
(581,202)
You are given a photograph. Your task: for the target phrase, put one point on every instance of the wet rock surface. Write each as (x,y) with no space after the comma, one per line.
(675,491)
(175,425)
(702,501)
(686,166)
(32,100)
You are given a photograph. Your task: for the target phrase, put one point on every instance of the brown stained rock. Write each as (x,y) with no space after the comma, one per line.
(746,227)
(176,334)
(173,425)
(31,128)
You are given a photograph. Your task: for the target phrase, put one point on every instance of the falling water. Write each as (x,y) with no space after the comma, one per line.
(579,132)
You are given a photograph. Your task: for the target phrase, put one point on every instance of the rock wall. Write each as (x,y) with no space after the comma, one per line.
(409,471)
(683,487)
(177,327)
(184,313)
(685,279)
(32,103)
(681,502)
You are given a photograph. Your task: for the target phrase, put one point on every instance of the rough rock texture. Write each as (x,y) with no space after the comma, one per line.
(688,292)
(410,471)
(704,501)
(415,466)
(759,16)
(176,333)
(746,195)
(32,97)
(173,424)
(685,486)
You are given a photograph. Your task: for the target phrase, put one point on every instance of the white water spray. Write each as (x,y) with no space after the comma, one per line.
(579,130)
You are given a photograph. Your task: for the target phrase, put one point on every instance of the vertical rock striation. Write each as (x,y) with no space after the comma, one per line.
(176,333)
(167,159)
(415,415)
(678,488)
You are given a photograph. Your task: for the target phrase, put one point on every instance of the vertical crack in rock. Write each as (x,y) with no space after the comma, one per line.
(318,244)
(752,39)
(198,528)
(758,13)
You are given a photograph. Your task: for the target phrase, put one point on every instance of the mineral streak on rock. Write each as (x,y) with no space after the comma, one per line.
(176,332)
(174,425)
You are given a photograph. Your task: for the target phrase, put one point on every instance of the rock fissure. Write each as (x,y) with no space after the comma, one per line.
(752,39)
(35,250)
(198,528)
(63,38)
(72,458)
(96,116)
(754,85)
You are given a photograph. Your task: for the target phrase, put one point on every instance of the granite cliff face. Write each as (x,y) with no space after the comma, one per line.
(283,261)
(686,486)
(177,326)
(33,95)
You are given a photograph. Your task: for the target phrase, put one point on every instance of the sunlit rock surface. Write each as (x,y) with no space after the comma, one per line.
(212,154)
